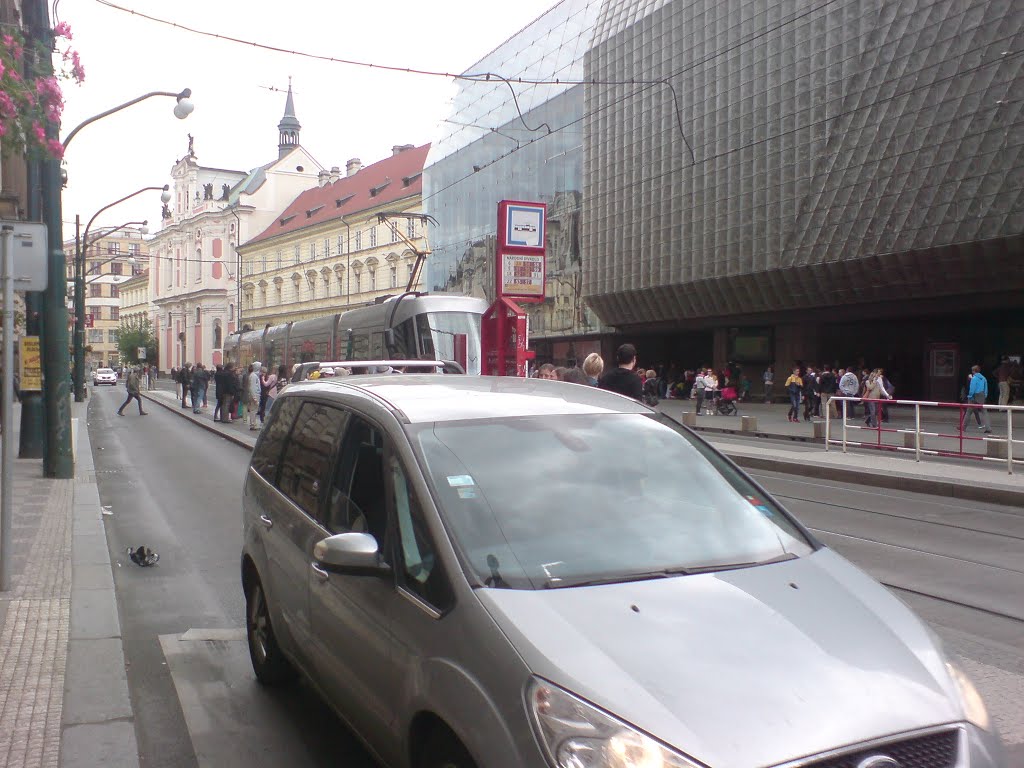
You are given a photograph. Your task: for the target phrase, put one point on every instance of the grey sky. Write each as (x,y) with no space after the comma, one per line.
(345,111)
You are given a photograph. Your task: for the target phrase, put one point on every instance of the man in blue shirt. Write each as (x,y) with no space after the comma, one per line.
(977,393)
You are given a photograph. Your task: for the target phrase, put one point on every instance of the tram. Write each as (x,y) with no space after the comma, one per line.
(409,326)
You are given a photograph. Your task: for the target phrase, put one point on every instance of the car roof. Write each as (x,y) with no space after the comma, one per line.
(425,398)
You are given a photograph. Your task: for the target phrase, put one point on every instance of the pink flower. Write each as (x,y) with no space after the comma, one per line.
(7,108)
(8,42)
(49,90)
(3,128)
(55,148)
(2,69)
(77,70)
(40,134)
(62,30)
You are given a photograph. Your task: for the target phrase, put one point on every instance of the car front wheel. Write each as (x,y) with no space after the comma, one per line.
(444,750)
(268,662)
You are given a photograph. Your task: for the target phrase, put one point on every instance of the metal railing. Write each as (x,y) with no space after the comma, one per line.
(914,438)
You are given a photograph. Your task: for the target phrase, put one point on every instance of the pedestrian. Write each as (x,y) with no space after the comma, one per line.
(132,385)
(794,389)
(849,386)
(176,378)
(651,388)
(699,389)
(874,392)
(268,382)
(622,379)
(154,374)
(252,396)
(185,377)
(198,386)
(810,379)
(827,388)
(575,376)
(977,393)
(710,389)
(768,377)
(218,382)
(1003,375)
(280,381)
(547,371)
(593,367)
(227,392)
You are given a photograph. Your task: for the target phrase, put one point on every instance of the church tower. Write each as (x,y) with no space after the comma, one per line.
(288,128)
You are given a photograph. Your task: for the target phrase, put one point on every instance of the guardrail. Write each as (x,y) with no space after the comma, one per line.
(914,439)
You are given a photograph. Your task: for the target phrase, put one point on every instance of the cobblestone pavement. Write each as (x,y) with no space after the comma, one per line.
(35,619)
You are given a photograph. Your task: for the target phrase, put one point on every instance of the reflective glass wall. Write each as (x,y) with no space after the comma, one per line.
(516,141)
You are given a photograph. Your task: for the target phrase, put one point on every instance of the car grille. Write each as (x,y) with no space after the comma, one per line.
(935,750)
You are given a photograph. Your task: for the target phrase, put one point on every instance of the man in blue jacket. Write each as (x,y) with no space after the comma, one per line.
(977,394)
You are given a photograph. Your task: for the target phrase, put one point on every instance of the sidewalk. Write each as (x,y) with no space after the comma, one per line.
(63,687)
(801,454)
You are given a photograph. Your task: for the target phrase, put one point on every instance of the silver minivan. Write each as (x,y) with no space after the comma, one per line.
(502,573)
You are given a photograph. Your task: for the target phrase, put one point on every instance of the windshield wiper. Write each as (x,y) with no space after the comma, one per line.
(663,573)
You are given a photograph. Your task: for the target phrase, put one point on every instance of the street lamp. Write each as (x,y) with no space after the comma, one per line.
(182,109)
(79,377)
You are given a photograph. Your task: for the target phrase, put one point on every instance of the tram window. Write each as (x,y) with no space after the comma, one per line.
(376,345)
(360,346)
(404,346)
(426,339)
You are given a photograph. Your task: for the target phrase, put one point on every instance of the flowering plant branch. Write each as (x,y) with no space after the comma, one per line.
(27,104)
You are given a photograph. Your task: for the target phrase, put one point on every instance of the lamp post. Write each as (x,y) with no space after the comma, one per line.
(58,461)
(79,370)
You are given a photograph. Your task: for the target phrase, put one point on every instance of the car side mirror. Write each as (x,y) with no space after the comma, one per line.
(351,553)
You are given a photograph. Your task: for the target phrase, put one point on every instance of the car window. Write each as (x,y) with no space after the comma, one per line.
(357,494)
(420,571)
(307,454)
(267,454)
(550,501)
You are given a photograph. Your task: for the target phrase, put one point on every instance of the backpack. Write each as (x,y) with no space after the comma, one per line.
(650,393)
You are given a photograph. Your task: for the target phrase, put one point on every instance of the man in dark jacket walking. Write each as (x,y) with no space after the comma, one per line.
(226,392)
(622,379)
(132,385)
(185,378)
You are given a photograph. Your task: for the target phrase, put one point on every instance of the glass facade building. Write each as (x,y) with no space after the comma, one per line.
(780,181)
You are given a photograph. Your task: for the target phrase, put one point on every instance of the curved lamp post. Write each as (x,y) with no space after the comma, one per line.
(165,197)
(182,109)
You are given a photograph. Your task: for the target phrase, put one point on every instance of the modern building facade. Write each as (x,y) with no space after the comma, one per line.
(329,251)
(193,276)
(113,257)
(773,183)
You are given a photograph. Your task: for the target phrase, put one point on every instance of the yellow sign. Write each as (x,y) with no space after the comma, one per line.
(31,364)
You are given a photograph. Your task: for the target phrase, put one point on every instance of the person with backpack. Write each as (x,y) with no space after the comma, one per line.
(827,387)
(652,388)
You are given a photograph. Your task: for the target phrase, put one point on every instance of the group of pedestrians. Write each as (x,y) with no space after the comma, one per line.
(242,394)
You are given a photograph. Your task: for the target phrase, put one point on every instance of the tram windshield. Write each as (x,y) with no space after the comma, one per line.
(436,337)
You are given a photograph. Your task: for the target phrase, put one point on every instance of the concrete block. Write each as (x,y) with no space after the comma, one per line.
(910,440)
(748,423)
(996,450)
(94,614)
(688,418)
(95,683)
(108,744)
(819,429)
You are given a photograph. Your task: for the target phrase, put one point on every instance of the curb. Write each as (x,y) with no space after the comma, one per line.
(950,488)
(934,487)
(199,422)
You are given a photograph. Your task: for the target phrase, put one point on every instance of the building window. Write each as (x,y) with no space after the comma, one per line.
(199,315)
(94,267)
(199,265)
(280,259)
(115,292)
(373,237)
(394,232)
(113,247)
(95,291)
(115,268)
(298,253)
(231,312)
(115,313)
(408,271)
(341,245)
(263,295)
(217,335)
(133,249)
(410,228)
(327,246)
(96,336)
(111,336)
(359,241)
(394,276)
(373,278)
(312,251)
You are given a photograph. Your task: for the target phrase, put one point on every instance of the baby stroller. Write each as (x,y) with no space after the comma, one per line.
(727,402)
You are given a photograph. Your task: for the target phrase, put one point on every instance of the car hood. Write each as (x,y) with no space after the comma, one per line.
(740,668)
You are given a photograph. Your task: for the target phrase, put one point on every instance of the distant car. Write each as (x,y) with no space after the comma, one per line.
(105,376)
(516,573)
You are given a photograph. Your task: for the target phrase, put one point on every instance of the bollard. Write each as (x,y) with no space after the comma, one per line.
(748,423)
(819,429)
(689,418)
(909,440)
(995,449)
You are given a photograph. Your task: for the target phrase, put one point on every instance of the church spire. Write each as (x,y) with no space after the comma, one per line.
(288,128)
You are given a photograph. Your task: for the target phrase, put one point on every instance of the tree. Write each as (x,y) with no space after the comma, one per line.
(134,334)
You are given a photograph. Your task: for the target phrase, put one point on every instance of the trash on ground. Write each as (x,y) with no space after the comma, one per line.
(143,556)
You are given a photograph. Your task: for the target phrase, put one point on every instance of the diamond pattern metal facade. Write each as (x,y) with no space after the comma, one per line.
(844,151)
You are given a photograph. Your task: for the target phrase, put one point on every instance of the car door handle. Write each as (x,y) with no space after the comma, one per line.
(267,522)
(320,572)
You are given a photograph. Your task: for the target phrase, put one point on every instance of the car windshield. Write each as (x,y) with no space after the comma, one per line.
(104,370)
(564,501)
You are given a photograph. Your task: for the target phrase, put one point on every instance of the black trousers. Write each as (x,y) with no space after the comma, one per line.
(131,396)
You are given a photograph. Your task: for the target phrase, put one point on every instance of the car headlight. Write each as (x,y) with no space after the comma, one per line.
(576,734)
(974,706)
